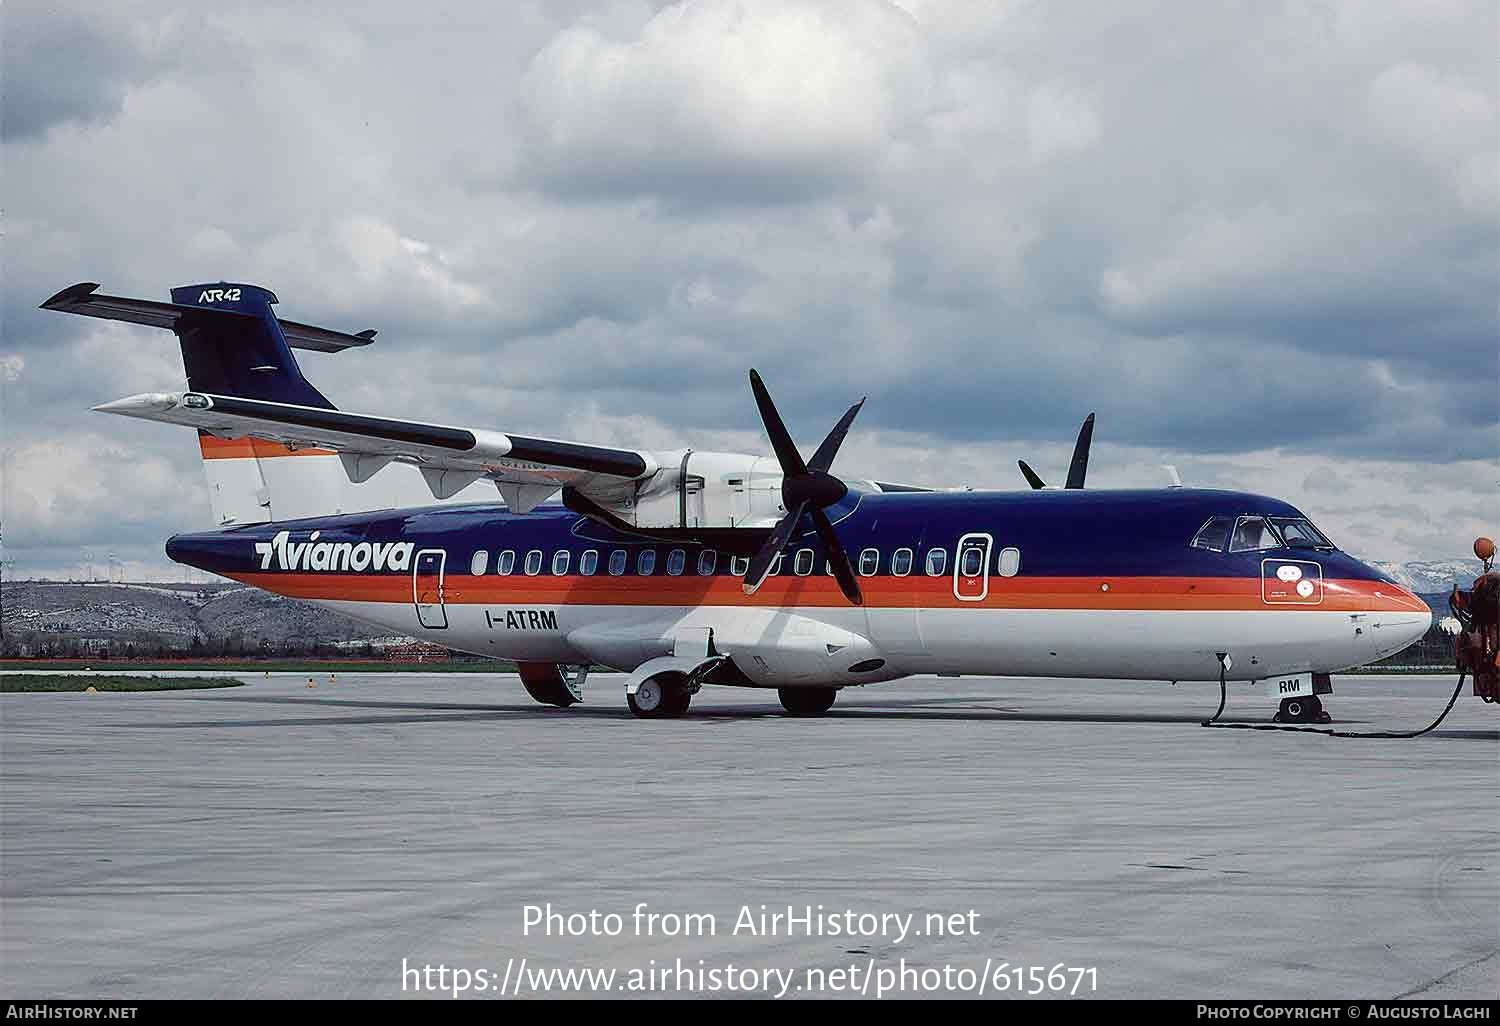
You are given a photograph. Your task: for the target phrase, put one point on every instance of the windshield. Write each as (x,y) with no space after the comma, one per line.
(1299,533)
(1252,534)
(1214,535)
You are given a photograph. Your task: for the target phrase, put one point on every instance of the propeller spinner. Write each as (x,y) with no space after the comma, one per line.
(1078,469)
(807,489)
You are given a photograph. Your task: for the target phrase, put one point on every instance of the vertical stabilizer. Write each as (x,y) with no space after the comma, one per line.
(244,356)
(251,480)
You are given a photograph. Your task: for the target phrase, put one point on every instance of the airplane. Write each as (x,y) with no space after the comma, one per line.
(688,568)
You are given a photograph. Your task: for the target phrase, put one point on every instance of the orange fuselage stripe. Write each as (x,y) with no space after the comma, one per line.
(1123,593)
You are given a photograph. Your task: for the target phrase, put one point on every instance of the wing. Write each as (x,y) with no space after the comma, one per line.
(525,469)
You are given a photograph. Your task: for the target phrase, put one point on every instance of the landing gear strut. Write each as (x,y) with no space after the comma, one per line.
(807,701)
(1302,710)
(664,696)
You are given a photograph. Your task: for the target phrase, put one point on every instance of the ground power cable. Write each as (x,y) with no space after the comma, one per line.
(1212,721)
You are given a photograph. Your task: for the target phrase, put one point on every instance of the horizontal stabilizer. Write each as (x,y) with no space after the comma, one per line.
(84,299)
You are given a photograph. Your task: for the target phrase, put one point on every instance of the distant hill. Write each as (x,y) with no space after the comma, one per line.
(170,616)
(1432,576)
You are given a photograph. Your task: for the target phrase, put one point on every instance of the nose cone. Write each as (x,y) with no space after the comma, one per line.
(1400,617)
(1391,597)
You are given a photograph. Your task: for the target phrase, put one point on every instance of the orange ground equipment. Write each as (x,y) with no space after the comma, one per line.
(1476,647)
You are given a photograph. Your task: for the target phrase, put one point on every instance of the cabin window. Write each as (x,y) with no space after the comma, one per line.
(560,561)
(708,562)
(479,563)
(588,563)
(869,562)
(533,562)
(1252,534)
(645,563)
(1010,562)
(972,564)
(1214,535)
(937,562)
(739,565)
(901,562)
(676,560)
(617,560)
(803,564)
(505,563)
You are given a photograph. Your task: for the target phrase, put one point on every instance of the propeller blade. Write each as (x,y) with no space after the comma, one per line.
(823,458)
(838,559)
(805,488)
(1080,466)
(1032,477)
(761,562)
(781,440)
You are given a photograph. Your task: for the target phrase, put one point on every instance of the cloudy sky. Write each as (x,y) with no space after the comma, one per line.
(1261,239)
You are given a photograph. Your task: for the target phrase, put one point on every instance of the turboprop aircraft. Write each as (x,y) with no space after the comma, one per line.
(687,568)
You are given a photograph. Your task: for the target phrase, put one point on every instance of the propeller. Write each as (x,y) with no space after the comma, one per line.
(807,489)
(1079,468)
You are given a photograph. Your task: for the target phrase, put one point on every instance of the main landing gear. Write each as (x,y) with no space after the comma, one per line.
(551,684)
(665,696)
(807,701)
(1302,710)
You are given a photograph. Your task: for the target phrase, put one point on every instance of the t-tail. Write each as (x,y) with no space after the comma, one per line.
(233,344)
(246,355)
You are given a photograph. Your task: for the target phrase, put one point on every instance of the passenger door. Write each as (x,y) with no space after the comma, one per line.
(427,588)
(971,568)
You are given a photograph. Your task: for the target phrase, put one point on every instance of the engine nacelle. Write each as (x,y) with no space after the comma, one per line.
(701,490)
(698,490)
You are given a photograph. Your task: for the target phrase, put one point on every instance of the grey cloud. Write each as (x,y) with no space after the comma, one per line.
(63,66)
(713,103)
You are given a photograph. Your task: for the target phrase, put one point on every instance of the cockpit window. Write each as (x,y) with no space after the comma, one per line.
(1298,533)
(1214,535)
(1252,534)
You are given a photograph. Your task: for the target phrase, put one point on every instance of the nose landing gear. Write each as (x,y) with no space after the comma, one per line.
(1307,709)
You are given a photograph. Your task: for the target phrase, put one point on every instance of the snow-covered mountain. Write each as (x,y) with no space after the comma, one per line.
(1431,576)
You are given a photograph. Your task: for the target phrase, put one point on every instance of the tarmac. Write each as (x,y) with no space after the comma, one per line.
(284,841)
